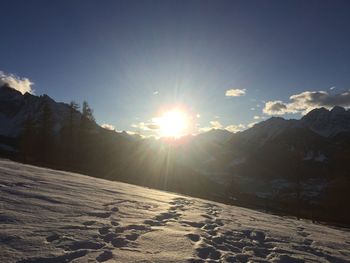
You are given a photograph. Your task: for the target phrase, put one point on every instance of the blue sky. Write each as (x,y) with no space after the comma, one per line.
(130,58)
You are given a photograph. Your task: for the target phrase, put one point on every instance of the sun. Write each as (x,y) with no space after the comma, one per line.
(173,123)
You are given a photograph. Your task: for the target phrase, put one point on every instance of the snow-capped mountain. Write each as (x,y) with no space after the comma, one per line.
(16,108)
(328,123)
(319,132)
(309,156)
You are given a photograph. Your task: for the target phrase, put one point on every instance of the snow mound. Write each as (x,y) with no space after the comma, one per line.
(54,216)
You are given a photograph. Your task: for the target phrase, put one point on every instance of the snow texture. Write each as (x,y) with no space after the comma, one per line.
(54,216)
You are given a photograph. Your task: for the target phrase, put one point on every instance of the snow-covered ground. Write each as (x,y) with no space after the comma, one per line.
(54,216)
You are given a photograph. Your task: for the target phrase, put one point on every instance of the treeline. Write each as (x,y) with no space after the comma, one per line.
(45,141)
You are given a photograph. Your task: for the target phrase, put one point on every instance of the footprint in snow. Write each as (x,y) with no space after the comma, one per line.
(104,230)
(104,256)
(132,236)
(208,252)
(84,244)
(89,223)
(100,214)
(193,224)
(193,237)
(119,242)
(52,237)
(151,222)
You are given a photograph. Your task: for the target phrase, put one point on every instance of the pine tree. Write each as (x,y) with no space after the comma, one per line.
(87,114)
(85,136)
(73,108)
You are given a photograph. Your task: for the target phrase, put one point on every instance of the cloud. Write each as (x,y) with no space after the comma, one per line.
(250,125)
(215,124)
(156,92)
(275,108)
(108,126)
(152,126)
(23,85)
(146,126)
(306,101)
(235,128)
(256,117)
(132,133)
(235,92)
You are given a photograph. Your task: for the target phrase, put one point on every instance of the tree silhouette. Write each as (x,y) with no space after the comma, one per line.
(87,116)
(68,135)
(28,143)
(86,139)
(46,138)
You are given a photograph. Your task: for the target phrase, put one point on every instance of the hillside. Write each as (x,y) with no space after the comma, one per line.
(54,216)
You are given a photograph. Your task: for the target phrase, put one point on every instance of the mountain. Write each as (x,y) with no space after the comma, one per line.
(214,136)
(299,167)
(295,166)
(16,108)
(55,216)
(327,123)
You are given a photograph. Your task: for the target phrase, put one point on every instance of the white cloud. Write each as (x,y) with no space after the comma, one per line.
(275,108)
(215,124)
(250,125)
(332,88)
(235,92)
(145,129)
(235,128)
(132,133)
(145,126)
(108,126)
(156,92)
(23,85)
(306,101)
(205,129)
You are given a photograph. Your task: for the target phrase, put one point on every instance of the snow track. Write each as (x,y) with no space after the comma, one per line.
(53,216)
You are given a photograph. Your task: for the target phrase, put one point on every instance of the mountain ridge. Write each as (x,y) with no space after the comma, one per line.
(320,120)
(285,163)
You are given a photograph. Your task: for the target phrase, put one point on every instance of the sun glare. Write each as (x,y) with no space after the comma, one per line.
(173,123)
